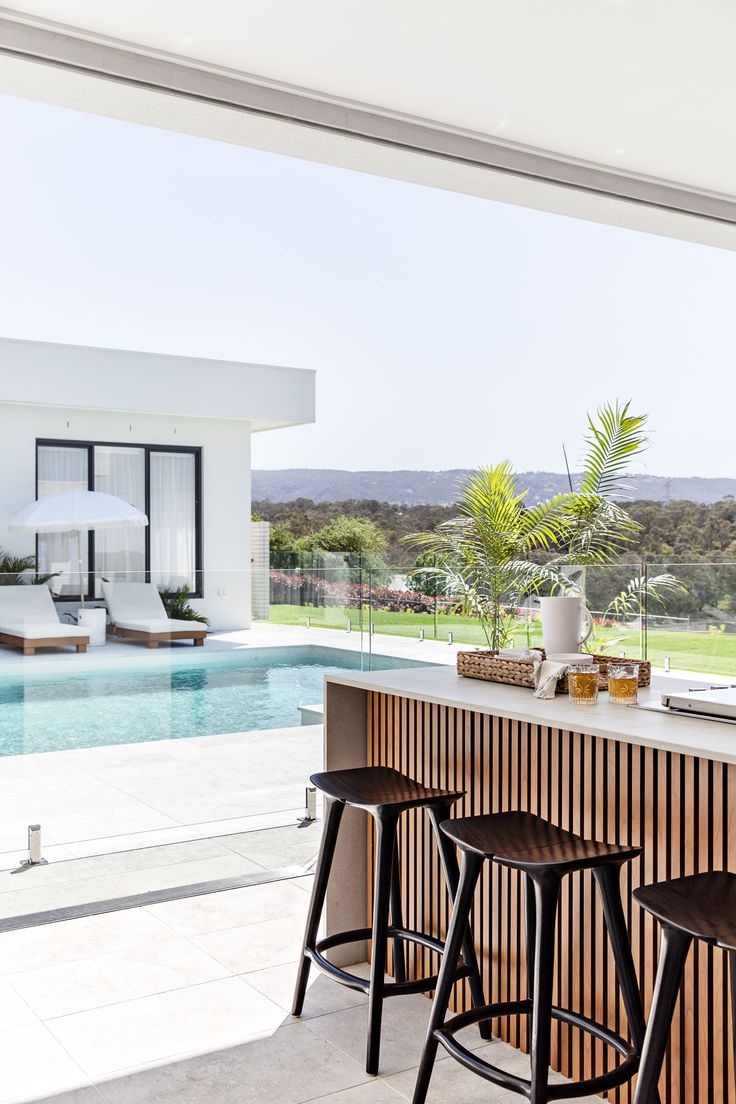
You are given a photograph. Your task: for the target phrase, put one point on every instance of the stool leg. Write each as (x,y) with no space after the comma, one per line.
(333,816)
(385,846)
(608,880)
(546,899)
(530,913)
(462,904)
(673,952)
(397,917)
(452,874)
(732,978)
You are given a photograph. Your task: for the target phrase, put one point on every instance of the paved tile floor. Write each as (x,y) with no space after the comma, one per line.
(115,798)
(77,882)
(188,1002)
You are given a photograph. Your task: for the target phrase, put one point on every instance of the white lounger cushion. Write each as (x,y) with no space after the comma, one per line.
(133,602)
(138,606)
(29,612)
(160,625)
(39,630)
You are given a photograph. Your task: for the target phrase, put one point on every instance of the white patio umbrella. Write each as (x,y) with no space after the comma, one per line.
(77,512)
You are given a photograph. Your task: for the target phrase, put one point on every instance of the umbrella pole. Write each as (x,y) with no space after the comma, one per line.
(79,561)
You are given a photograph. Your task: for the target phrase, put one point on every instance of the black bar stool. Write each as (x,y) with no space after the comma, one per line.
(545,854)
(384,794)
(700,906)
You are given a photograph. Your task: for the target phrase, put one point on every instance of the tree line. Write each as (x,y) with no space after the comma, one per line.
(677,531)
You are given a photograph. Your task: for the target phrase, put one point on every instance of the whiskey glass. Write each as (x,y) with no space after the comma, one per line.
(623,683)
(582,683)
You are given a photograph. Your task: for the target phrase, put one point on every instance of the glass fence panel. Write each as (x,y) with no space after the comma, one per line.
(421,608)
(317,590)
(615,596)
(691,619)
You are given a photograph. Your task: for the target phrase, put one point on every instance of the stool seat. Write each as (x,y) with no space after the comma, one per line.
(698,906)
(701,905)
(526,841)
(379,788)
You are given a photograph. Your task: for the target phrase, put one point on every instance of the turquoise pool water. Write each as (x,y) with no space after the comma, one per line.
(163,699)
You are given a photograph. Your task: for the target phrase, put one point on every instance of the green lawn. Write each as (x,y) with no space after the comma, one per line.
(713,653)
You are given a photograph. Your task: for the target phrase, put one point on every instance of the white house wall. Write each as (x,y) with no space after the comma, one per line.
(225,485)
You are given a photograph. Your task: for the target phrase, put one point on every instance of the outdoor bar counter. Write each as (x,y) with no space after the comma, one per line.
(664,782)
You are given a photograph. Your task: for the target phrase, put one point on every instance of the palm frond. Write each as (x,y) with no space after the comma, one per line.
(629,602)
(615,438)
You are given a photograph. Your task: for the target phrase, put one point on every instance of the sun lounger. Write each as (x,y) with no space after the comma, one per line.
(28,620)
(136,611)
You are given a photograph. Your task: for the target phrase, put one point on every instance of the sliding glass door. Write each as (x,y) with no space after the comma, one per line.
(121,553)
(162,482)
(62,468)
(172,517)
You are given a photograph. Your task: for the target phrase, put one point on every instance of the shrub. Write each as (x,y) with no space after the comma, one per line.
(176,604)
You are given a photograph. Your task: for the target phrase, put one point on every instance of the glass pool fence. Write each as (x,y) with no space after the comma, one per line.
(681,616)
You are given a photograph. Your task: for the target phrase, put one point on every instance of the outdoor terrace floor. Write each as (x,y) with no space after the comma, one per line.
(188,1001)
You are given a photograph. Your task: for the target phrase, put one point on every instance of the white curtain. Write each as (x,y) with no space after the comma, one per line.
(121,553)
(62,468)
(172,519)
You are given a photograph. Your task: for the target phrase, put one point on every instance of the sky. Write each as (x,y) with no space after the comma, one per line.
(446,331)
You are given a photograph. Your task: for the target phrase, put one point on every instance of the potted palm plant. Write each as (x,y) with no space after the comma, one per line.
(499,549)
(485,555)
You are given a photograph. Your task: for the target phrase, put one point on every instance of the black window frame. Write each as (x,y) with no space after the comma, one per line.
(192,450)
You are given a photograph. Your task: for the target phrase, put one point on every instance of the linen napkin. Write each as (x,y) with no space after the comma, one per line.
(546,675)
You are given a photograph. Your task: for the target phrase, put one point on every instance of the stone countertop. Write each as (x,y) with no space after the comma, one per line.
(659,729)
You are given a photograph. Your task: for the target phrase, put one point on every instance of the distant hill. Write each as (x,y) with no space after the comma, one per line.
(439,488)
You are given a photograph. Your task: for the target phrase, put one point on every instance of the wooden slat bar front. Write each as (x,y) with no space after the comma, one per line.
(680,808)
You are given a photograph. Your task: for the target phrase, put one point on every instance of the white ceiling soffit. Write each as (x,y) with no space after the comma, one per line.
(613,110)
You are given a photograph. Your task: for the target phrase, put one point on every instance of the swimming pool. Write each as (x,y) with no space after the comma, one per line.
(98,704)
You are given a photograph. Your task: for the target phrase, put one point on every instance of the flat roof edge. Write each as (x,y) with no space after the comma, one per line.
(86,377)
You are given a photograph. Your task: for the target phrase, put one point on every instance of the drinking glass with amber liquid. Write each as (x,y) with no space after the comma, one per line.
(582,683)
(623,683)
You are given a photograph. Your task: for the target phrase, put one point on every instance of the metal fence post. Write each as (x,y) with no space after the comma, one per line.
(370,619)
(644,614)
(360,605)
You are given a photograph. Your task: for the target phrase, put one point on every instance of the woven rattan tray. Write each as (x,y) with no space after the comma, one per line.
(483,663)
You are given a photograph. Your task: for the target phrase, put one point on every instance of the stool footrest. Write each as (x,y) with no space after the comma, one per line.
(605,1081)
(391,988)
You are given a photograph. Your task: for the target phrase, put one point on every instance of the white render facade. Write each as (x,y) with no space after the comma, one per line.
(172,434)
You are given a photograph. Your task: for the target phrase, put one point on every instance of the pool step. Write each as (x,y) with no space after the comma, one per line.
(312,714)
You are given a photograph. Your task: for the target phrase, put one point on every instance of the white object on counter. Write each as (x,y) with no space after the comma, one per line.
(519,653)
(566,623)
(571,657)
(95,621)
